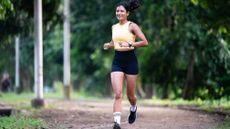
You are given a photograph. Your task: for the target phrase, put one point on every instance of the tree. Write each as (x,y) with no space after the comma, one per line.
(6,6)
(66,51)
(183,44)
(90,64)
(20,20)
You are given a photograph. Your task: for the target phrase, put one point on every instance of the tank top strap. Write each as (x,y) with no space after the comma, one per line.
(128,24)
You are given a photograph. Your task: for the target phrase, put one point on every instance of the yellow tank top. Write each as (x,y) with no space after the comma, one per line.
(121,33)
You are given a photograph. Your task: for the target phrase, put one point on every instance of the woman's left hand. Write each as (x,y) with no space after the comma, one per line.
(123,44)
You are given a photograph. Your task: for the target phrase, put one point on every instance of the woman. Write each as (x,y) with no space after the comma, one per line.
(125,66)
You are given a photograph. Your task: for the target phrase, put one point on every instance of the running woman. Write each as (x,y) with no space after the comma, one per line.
(125,65)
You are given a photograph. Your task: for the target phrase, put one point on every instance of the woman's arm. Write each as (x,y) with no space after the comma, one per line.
(108,45)
(137,31)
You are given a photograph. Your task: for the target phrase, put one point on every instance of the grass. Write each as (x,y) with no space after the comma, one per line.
(21,122)
(219,106)
(23,101)
(225,125)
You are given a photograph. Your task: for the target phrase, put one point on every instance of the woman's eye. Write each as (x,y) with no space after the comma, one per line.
(120,11)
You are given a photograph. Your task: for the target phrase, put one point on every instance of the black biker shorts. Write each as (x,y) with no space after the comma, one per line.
(125,61)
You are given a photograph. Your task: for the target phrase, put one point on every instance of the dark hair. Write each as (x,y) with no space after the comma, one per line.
(129,5)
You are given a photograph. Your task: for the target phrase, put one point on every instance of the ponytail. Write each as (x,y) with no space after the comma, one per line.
(133,4)
(129,5)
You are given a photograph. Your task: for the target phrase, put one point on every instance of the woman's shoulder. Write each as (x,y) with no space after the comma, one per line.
(132,23)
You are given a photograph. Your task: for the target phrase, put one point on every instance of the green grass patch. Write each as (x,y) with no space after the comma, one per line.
(23,100)
(21,122)
(13,97)
(73,95)
(18,101)
(222,105)
(224,125)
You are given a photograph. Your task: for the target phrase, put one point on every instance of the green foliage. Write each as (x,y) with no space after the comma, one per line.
(215,106)
(20,122)
(19,18)
(53,52)
(91,28)
(20,22)
(224,125)
(214,13)
(5,6)
(175,31)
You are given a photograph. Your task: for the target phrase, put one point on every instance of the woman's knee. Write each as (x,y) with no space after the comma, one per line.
(118,95)
(132,98)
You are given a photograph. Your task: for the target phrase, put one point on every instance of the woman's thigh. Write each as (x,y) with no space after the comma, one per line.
(117,81)
(131,84)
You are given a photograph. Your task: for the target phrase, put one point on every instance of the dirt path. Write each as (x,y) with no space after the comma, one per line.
(81,114)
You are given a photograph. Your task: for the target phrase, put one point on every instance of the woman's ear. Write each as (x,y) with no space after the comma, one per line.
(127,14)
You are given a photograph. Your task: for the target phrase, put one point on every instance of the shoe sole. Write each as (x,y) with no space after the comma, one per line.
(128,118)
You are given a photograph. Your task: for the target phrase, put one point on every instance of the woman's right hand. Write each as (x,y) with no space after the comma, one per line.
(106,46)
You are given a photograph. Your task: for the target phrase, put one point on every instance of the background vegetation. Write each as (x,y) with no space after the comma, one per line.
(188,54)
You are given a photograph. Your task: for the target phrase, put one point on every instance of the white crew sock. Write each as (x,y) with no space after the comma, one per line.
(133,108)
(117,117)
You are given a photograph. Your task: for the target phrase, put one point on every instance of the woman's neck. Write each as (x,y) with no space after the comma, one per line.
(123,22)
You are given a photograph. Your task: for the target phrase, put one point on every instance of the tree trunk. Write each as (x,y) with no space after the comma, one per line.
(38,54)
(148,91)
(66,49)
(26,83)
(77,84)
(165,91)
(17,64)
(140,90)
(188,88)
(109,89)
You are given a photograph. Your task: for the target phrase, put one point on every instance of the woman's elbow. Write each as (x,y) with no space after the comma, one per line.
(145,44)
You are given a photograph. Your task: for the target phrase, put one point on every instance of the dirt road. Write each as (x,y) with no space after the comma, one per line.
(85,114)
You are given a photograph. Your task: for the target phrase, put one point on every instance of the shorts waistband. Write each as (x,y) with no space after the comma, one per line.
(124,52)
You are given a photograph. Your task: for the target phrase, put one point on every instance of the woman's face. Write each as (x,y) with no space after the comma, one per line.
(121,13)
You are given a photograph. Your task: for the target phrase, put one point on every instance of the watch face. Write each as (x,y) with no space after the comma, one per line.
(130,45)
